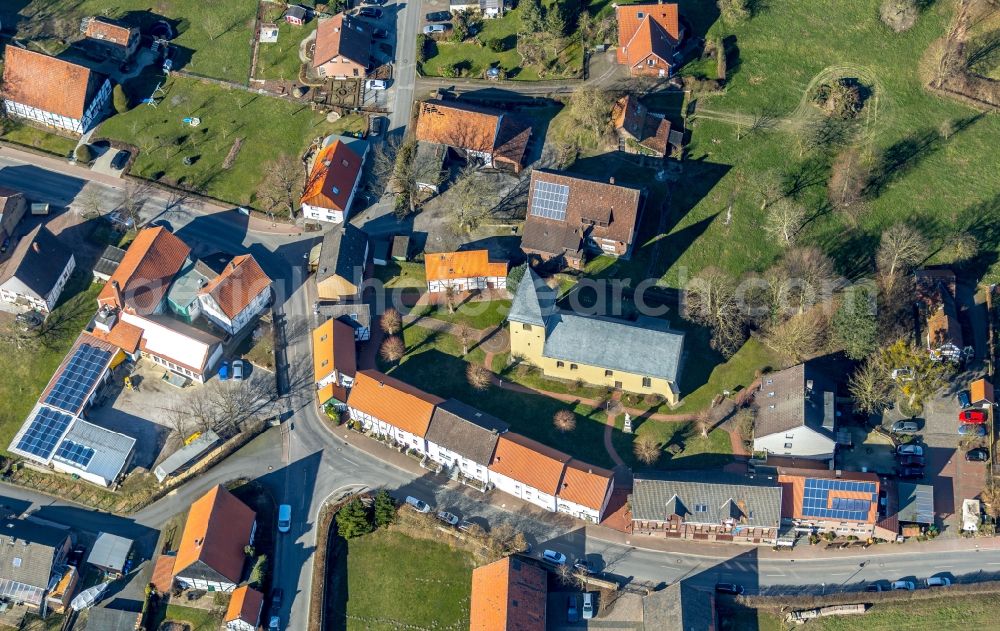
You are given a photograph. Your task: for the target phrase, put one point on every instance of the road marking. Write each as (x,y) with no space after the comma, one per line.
(774,575)
(840,574)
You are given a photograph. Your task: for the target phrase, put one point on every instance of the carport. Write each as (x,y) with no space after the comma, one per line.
(916,503)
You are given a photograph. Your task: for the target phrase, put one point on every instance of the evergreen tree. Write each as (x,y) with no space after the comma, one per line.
(385,509)
(532,17)
(352,520)
(855,326)
(119,99)
(555,22)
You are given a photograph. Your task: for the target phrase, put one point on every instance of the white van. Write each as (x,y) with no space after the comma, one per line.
(284,518)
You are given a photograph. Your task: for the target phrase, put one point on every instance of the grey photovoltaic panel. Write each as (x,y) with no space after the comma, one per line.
(78,378)
(549,200)
(816,499)
(44,432)
(75,453)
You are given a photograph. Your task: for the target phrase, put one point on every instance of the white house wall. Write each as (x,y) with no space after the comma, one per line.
(382,428)
(212,311)
(318,213)
(468,467)
(467,284)
(804,443)
(523,491)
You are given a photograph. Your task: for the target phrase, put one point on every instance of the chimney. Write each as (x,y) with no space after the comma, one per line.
(232,265)
(118,294)
(611,180)
(36,247)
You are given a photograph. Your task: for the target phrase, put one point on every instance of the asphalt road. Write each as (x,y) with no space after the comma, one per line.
(405,66)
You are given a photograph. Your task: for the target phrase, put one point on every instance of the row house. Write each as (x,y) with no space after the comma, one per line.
(390,408)
(462,437)
(845,503)
(335,361)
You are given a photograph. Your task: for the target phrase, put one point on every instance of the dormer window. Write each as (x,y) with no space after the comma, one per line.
(640,15)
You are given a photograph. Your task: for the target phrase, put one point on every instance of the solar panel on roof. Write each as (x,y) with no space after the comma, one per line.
(549,200)
(78,378)
(75,453)
(816,500)
(44,432)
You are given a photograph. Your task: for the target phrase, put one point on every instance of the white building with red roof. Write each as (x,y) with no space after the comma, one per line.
(237,295)
(334,178)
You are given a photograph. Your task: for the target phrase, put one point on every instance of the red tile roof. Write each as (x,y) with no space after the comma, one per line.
(646,29)
(108,31)
(585,485)
(466,264)
(508,595)
(50,84)
(238,285)
(217,529)
(163,573)
(146,270)
(245,604)
(124,335)
(334,173)
(390,400)
(343,35)
(529,462)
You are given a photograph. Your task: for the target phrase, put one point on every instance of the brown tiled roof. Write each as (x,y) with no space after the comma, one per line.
(981,390)
(459,125)
(508,595)
(343,35)
(108,31)
(588,200)
(217,529)
(655,33)
(146,271)
(465,264)
(529,462)
(333,349)
(390,400)
(237,286)
(649,130)
(334,172)
(245,604)
(163,573)
(50,84)
(585,485)
(124,335)
(512,140)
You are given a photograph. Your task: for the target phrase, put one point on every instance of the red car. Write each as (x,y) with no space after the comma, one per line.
(972,416)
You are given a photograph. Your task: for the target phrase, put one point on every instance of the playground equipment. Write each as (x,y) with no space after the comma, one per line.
(193,121)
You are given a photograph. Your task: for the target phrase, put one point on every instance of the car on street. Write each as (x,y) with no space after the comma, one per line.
(910,472)
(910,449)
(418,505)
(911,460)
(905,427)
(969,429)
(558,558)
(274,624)
(979,454)
(963,399)
(238,370)
(370,12)
(436,29)
(120,160)
(277,594)
(877,586)
(572,613)
(729,588)
(972,416)
(224,371)
(588,605)
(376,84)
(438,16)
(938,581)
(907,585)
(448,518)
(284,518)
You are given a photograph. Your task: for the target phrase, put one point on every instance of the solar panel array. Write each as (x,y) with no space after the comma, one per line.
(44,432)
(816,501)
(549,200)
(76,381)
(75,453)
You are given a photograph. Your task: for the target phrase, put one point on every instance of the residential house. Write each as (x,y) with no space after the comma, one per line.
(648,38)
(110,38)
(528,470)
(796,414)
(570,216)
(296,14)
(492,137)
(340,267)
(639,130)
(13,205)
(584,491)
(357,315)
(211,553)
(508,595)
(343,47)
(33,560)
(334,360)
(463,438)
(140,283)
(393,409)
(487,8)
(680,606)
(334,179)
(184,293)
(942,332)
(243,612)
(182,348)
(236,296)
(37,271)
(845,503)
(981,393)
(642,357)
(707,506)
(53,92)
(469,270)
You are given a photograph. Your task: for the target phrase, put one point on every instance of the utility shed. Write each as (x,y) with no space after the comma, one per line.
(180,458)
(110,553)
(916,503)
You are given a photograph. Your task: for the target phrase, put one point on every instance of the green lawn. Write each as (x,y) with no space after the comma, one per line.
(699,452)
(281,59)
(394,581)
(478,314)
(213,38)
(268,126)
(29,136)
(22,381)
(397,274)
(197,619)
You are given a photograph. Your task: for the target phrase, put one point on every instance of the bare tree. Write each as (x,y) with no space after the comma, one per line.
(468,201)
(848,178)
(465,335)
(801,336)
(564,420)
(392,349)
(647,450)
(449,297)
(391,322)
(134,196)
(282,185)
(785,218)
(703,421)
(90,202)
(710,300)
(590,109)
(478,376)
(226,407)
(871,387)
(768,186)
(901,248)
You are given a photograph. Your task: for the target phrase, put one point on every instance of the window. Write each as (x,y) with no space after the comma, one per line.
(608,373)
(325,362)
(789,436)
(618,385)
(525,327)
(573,367)
(788,445)
(701,508)
(560,364)
(16,562)
(650,62)
(647,382)
(640,15)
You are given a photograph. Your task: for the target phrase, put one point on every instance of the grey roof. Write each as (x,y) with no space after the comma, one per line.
(185,454)
(534,300)
(112,450)
(192,276)
(345,312)
(110,552)
(465,430)
(794,404)
(707,497)
(680,607)
(109,261)
(103,619)
(343,254)
(401,246)
(357,145)
(296,11)
(29,560)
(38,269)
(916,503)
(647,347)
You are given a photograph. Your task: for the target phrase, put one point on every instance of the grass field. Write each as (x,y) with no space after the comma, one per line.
(483,314)
(394,581)
(280,60)
(37,138)
(213,38)
(269,127)
(197,619)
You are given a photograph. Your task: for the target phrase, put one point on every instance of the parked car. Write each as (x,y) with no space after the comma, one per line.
(120,160)
(284,518)
(6,244)
(465,525)
(376,84)
(967,429)
(905,427)
(588,605)
(224,371)
(378,125)
(238,370)
(448,518)
(572,615)
(438,16)
(380,33)
(938,581)
(552,556)
(979,454)
(371,3)
(910,449)
(582,566)
(963,399)
(875,587)
(274,624)
(911,460)
(276,596)
(907,585)
(910,472)
(436,29)
(418,505)
(972,416)
(370,12)
(729,588)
